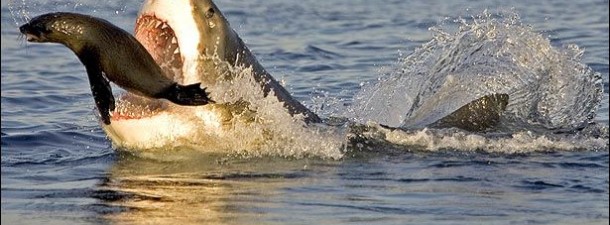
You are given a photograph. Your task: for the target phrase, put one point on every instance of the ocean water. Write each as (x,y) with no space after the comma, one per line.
(336,56)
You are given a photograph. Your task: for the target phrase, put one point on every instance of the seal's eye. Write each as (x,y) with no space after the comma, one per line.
(209,13)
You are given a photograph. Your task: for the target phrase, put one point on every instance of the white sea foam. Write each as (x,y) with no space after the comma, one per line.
(428,139)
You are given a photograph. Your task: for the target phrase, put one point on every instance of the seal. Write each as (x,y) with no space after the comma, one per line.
(186,35)
(111,54)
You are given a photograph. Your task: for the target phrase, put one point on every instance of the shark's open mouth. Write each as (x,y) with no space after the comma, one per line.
(160,41)
(131,106)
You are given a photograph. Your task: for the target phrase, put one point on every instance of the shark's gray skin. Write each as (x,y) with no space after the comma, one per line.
(479,115)
(110,54)
(202,32)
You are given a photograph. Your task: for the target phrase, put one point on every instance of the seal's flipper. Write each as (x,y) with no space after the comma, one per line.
(100,88)
(191,94)
(478,115)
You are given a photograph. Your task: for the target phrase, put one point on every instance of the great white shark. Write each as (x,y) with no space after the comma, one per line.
(187,38)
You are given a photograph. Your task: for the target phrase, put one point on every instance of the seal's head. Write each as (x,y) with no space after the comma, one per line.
(65,28)
(41,29)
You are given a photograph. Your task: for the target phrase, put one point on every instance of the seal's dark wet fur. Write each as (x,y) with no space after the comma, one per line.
(109,53)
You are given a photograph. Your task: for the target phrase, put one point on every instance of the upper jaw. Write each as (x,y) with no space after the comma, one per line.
(161,42)
(164,31)
(177,15)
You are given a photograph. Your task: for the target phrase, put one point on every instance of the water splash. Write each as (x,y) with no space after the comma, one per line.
(244,123)
(594,137)
(549,88)
(19,11)
(270,126)
(550,91)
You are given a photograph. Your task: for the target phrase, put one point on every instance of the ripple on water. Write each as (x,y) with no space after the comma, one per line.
(58,168)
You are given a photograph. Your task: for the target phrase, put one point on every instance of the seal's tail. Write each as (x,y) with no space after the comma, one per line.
(191,94)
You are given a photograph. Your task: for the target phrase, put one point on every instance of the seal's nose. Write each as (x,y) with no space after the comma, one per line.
(24,28)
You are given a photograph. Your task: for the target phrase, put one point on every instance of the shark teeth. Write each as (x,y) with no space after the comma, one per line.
(161,42)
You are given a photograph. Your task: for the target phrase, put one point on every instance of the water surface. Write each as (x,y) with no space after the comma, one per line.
(58,167)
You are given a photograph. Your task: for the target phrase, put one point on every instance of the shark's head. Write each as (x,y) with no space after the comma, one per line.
(178,33)
(193,43)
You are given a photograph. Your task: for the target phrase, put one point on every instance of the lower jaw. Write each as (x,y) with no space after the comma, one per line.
(140,123)
(167,128)
(157,131)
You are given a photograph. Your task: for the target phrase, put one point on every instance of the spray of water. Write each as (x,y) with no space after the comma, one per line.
(550,92)
(548,87)
(19,12)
